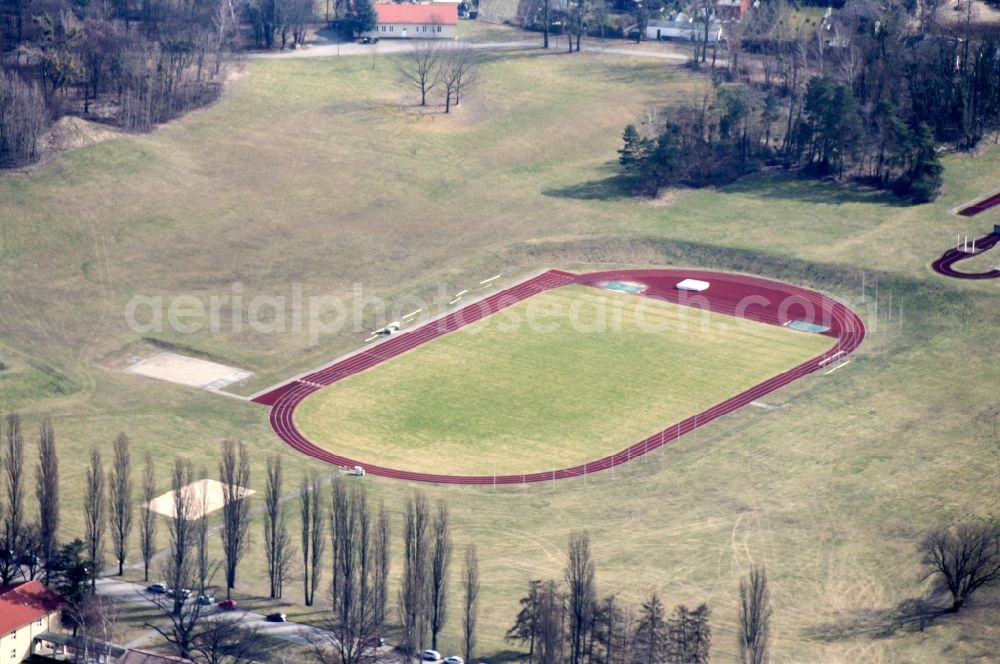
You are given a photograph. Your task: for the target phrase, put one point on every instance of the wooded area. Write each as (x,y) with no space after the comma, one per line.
(128,64)
(870,94)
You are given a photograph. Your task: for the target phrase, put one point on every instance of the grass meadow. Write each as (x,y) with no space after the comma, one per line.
(565,377)
(324,173)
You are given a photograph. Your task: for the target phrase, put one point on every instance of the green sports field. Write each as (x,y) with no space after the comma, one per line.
(565,377)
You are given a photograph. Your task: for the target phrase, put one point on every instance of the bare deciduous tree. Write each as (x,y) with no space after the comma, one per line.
(200,514)
(187,628)
(755,617)
(611,632)
(178,568)
(120,506)
(94,514)
(313,540)
(964,559)
(413,593)
(458,72)
(24,115)
(227,642)
(47,493)
(96,619)
(234,473)
(577,13)
(546,23)
(470,605)
(196,638)
(440,567)
(277,544)
(421,67)
(582,593)
(147,518)
(550,621)
(381,557)
(340,530)
(31,547)
(351,631)
(12,544)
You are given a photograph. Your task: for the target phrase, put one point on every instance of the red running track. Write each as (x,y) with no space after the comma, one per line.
(981,206)
(737,295)
(944,264)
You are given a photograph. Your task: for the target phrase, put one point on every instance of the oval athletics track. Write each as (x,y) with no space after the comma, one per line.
(754,298)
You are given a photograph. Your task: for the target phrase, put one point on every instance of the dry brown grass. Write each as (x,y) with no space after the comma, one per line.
(309,172)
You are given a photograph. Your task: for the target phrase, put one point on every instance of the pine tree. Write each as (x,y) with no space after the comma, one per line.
(634,152)
(922,182)
(364,17)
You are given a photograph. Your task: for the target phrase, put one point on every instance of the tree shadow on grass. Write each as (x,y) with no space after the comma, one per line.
(798,187)
(612,187)
(649,73)
(910,615)
(508,656)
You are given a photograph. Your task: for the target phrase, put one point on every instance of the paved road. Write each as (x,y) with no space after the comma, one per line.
(134,593)
(660,55)
(325,48)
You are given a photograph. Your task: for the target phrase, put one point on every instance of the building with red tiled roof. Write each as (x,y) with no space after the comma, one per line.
(26,610)
(135,656)
(732,10)
(415,21)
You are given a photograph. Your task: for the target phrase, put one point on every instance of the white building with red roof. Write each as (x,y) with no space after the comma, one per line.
(415,21)
(26,610)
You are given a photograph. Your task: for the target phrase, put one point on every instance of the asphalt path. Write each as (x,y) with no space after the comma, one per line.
(135,594)
(327,47)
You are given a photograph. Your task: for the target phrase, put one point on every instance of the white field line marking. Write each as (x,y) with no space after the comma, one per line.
(486,281)
(412,314)
(842,364)
(455,300)
(461,293)
(825,362)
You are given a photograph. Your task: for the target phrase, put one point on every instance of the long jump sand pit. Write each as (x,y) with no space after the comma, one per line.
(190,371)
(205,496)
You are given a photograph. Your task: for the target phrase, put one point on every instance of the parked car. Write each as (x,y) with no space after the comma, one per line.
(228,605)
(370,40)
(430,655)
(205,600)
(157,588)
(276,617)
(184,593)
(454,659)
(375,642)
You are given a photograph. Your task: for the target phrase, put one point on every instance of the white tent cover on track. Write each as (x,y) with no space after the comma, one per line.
(692,285)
